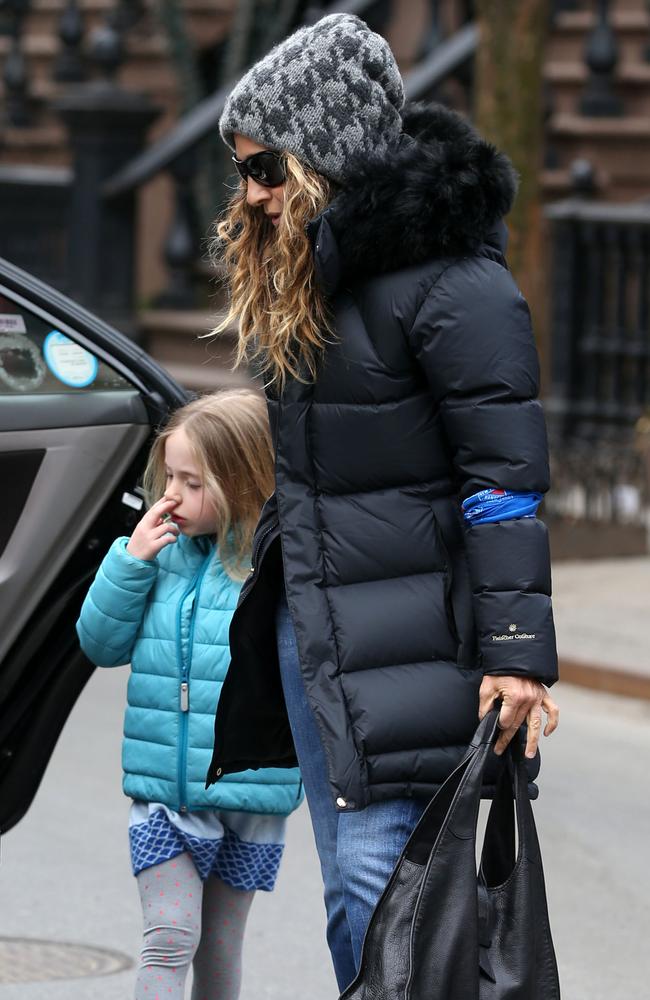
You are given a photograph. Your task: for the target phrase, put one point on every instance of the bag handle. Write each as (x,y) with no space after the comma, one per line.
(499,856)
(511,804)
(456,802)
(454,809)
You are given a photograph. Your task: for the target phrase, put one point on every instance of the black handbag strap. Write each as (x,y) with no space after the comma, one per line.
(511,804)
(455,806)
(454,809)
(499,848)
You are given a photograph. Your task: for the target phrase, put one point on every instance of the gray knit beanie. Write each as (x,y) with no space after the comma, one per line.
(327,93)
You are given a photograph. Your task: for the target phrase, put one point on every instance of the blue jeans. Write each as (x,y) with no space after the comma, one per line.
(357,850)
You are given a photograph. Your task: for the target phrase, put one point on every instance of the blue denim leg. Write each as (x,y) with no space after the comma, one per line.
(324,816)
(357,850)
(369,844)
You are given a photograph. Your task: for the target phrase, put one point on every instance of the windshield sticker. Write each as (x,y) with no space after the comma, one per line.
(69,362)
(12,323)
(21,365)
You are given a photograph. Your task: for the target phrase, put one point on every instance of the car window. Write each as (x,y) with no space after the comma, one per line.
(35,357)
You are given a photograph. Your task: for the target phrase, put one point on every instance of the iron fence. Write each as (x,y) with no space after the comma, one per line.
(598,402)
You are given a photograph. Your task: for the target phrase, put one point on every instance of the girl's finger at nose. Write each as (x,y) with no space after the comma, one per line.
(165,527)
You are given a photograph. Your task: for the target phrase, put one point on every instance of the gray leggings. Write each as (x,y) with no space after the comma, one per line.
(190,921)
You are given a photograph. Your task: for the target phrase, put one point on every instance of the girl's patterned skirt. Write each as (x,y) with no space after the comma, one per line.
(242,849)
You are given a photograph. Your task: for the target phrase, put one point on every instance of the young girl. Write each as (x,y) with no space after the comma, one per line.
(365,257)
(162,600)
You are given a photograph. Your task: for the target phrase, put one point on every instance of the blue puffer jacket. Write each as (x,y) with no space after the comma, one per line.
(170,619)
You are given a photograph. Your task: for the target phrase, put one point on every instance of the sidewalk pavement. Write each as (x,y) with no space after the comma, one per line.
(602,619)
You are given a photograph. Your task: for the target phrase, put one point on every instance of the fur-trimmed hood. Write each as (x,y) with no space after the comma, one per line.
(441,193)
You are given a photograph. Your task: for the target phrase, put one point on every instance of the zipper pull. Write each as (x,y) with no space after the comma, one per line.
(185,697)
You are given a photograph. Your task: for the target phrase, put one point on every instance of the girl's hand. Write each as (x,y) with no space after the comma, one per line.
(153,533)
(522,700)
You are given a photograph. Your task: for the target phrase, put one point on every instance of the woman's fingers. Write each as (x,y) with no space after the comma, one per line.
(513,714)
(522,701)
(553,714)
(487,696)
(511,718)
(504,738)
(545,704)
(534,729)
(531,716)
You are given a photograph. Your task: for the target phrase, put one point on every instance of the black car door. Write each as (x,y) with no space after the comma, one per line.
(78,405)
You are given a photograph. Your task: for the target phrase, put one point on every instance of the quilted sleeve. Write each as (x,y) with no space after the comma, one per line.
(473,339)
(114,606)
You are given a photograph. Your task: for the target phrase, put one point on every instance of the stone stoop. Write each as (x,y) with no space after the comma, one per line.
(176,340)
(617,147)
(44,16)
(147,66)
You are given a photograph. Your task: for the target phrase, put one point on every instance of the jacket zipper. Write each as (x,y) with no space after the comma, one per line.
(185,697)
(184,686)
(260,541)
(248,586)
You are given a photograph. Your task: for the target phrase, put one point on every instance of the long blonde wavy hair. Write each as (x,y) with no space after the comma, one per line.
(274,298)
(230,439)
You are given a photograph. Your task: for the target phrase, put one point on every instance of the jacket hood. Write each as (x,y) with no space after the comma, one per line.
(442,192)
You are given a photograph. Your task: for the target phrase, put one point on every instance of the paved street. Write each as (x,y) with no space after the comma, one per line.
(65,871)
(601,609)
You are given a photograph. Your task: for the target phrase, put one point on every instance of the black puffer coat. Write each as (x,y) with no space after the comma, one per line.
(427,396)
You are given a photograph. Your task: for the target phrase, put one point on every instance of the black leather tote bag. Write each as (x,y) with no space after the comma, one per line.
(439,931)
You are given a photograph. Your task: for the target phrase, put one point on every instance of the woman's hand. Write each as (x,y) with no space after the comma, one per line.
(152,533)
(522,700)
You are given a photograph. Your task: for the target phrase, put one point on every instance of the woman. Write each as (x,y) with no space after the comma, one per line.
(365,255)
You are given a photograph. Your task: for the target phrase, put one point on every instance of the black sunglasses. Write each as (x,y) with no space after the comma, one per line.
(266,168)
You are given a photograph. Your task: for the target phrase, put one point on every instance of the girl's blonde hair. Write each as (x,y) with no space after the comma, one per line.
(231,442)
(274,297)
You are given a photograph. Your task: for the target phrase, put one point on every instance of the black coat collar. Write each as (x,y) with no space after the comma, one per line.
(443,192)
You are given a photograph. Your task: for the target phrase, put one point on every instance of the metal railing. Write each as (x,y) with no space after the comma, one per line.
(175,151)
(449,56)
(598,403)
(117,183)
(601,325)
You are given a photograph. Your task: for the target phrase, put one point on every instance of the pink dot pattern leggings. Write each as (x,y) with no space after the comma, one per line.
(190,922)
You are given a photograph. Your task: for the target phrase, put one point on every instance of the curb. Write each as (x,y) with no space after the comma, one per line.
(608,679)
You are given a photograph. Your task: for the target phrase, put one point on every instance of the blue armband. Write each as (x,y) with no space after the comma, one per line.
(499,505)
